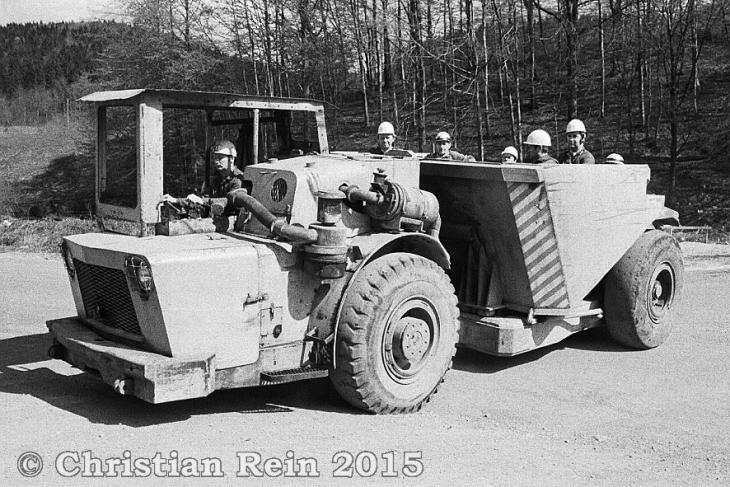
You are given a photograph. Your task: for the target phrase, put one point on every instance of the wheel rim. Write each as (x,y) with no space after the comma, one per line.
(409,338)
(661,291)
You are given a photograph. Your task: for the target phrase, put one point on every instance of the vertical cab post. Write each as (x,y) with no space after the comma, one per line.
(256,114)
(100,152)
(149,160)
(324,147)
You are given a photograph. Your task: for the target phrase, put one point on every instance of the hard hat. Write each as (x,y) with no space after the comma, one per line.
(225,147)
(614,159)
(386,128)
(442,136)
(510,150)
(539,137)
(575,125)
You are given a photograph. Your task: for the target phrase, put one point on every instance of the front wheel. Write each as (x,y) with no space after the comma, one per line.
(397,334)
(643,289)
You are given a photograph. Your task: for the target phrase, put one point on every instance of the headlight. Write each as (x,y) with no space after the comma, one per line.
(67,259)
(140,275)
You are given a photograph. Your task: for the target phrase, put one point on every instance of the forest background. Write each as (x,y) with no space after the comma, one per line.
(650,78)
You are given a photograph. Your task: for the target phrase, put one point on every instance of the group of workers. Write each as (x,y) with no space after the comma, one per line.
(537,151)
(537,147)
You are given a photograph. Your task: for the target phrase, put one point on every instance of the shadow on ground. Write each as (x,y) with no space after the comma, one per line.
(65,187)
(595,340)
(25,369)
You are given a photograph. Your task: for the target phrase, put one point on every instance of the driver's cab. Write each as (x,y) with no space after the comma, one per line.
(156,142)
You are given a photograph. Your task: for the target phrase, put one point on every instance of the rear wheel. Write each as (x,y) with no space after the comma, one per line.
(397,334)
(642,291)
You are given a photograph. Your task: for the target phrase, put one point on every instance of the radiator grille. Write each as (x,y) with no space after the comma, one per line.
(106,297)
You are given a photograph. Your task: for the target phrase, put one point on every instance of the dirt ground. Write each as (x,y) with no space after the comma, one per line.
(583,412)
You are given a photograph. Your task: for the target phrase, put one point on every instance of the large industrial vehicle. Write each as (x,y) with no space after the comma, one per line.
(341,264)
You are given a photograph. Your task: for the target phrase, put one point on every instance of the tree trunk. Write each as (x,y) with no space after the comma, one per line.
(603,59)
(387,69)
(640,63)
(516,71)
(414,21)
(497,18)
(571,46)
(378,59)
(486,67)
(253,49)
(360,59)
(531,42)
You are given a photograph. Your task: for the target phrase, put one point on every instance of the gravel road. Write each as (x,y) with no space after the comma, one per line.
(583,412)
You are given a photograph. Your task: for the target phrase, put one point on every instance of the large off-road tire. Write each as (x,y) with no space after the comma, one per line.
(396,336)
(642,291)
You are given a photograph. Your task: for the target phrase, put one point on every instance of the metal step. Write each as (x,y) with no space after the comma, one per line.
(291,375)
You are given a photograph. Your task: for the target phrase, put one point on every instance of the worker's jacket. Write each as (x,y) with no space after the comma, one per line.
(228,184)
(580,157)
(451,156)
(542,159)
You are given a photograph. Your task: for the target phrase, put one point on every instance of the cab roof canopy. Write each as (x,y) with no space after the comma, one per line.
(202,100)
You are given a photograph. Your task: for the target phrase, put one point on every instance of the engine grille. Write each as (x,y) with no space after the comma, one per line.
(106,297)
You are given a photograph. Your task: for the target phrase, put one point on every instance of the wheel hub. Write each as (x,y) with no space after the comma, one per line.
(661,292)
(411,338)
(657,291)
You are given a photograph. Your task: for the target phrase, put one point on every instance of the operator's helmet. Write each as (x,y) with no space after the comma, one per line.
(614,159)
(386,128)
(226,148)
(539,137)
(575,125)
(510,150)
(442,137)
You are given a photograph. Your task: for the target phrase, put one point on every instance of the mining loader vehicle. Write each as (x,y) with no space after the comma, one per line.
(369,269)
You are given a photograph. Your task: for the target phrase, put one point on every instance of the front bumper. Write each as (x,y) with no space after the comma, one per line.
(147,375)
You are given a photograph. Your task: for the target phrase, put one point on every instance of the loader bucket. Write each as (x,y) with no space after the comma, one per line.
(548,233)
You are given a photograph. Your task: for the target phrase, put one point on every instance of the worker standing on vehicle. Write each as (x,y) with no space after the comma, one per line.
(614,159)
(575,132)
(230,177)
(509,155)
(386,138)
(442,149)
(536,148)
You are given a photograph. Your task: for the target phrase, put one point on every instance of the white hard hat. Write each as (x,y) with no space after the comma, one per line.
(442,136)
(575,125)
(225,147)
(386,128)
(614,159)
(539,137)
(510,150)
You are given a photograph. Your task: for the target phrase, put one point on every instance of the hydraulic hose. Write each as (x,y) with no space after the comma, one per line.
(240,198)
(353,193)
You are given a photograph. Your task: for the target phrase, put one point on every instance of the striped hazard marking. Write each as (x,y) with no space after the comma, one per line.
(539,246)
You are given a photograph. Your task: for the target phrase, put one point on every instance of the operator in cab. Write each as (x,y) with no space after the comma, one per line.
(229,176)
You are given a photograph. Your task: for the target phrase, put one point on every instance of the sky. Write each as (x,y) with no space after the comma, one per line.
(21,11)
